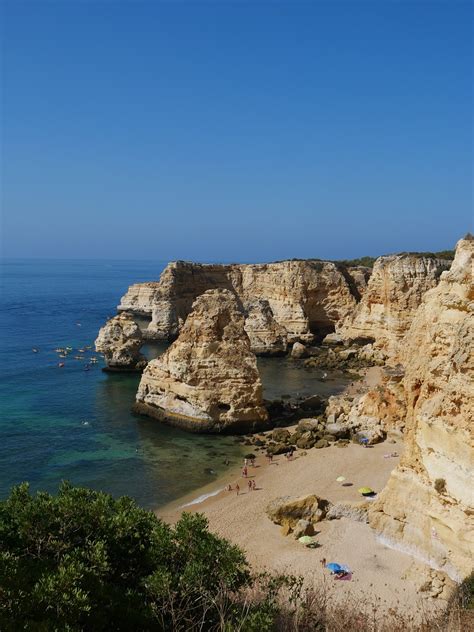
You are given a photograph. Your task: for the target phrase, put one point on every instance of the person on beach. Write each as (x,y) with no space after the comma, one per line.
(229,487)
(245,471)
(237,489)
(249,485)
(254,485)
(323,562)
(246,462)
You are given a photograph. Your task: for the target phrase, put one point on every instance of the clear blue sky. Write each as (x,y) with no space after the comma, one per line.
(235,131)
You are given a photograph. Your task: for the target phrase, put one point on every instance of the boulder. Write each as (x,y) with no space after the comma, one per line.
(207,380)
(280,435)
(333,339)
(306,441)
(310,424)
(372,435)
(339,431)
(303,527)
(322,443)
(290,509)
(298,351)
(278,448)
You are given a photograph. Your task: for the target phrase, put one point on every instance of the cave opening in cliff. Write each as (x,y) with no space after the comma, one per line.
(320,329)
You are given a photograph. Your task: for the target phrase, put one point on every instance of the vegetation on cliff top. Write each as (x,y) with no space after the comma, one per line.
(368,262)
(81,561)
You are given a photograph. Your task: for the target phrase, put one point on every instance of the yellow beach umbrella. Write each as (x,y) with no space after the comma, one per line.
(365,490)
(340,479)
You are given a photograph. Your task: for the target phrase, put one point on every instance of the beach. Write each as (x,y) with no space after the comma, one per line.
(377,569)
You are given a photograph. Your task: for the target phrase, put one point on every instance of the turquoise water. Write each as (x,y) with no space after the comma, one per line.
(70,423)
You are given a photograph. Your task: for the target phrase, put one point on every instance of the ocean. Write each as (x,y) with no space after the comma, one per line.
(74,424)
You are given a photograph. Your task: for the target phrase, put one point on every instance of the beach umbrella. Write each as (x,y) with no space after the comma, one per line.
(333,567)
(305,539)
(365,490)
(340,479)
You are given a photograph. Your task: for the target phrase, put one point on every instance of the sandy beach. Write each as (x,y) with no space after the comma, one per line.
(377,569)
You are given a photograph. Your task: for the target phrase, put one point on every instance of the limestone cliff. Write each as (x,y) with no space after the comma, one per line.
(139,298)
(305,297)
(207,380)
(266,336)
(119,341)
(394,293)
(428,504)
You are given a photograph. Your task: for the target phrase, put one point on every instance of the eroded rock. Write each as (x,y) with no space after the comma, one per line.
(394,292)
(305,297)
(207,380)
(289,510)
(120,340)
(267,337)
(428,503)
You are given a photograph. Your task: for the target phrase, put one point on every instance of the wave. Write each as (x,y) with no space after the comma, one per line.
(202,498)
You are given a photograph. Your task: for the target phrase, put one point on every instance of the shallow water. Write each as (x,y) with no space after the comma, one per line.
(68,423)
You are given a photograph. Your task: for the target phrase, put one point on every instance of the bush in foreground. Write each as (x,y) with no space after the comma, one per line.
(82,560)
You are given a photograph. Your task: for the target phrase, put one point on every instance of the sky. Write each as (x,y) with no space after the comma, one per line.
(235,131)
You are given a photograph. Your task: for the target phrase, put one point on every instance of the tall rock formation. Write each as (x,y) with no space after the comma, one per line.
(394,293)
(305,297)
(207,380)
(119,341)
(427,506)
(266,336)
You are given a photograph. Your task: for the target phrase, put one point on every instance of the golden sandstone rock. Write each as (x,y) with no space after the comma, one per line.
(427,506)
(394,293)
(207,380)
(120,340)
(304,297)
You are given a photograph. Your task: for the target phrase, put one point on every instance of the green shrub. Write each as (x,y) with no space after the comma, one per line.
(84,561)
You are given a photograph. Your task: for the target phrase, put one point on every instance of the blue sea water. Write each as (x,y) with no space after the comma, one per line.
(69,423)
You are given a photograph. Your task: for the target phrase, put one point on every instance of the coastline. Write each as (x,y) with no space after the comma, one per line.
(379,572)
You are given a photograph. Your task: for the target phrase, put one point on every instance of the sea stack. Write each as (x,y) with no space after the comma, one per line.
(427,506)
(120,340)
(207,380)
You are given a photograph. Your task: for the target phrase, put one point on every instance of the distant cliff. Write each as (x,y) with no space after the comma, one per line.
(306,298)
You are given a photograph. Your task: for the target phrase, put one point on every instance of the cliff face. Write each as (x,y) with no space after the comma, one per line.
(394,293)
(139,298)
(305,297)
(266,336)
(119,341)
(207,380)
(428,504)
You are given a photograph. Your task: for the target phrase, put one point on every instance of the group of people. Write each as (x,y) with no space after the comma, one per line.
(251,484)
